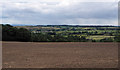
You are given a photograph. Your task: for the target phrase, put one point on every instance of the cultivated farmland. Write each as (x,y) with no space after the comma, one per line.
(60,55)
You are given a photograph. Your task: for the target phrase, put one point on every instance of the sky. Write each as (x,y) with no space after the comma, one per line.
(62,12)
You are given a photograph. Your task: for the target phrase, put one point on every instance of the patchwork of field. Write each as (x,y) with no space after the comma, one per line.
(60,55)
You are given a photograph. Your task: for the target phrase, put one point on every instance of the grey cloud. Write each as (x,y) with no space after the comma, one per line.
(71,14)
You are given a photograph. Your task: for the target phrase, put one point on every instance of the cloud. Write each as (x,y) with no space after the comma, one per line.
(63,12)
(59,0)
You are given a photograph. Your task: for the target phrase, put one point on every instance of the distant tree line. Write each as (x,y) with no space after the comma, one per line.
(10,33)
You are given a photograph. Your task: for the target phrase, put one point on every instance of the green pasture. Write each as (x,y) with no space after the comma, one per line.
(99,37)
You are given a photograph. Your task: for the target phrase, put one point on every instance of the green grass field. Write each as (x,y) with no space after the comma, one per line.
(99,37)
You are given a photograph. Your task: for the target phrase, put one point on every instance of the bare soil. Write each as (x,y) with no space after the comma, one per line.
(59,55)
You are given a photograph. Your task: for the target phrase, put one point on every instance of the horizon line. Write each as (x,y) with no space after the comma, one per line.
(55,25)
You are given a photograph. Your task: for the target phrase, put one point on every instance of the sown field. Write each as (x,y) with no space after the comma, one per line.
(60,55)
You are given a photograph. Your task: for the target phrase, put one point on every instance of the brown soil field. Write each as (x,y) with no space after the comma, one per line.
(59,55)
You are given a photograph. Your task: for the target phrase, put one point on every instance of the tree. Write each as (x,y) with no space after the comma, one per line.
(107,40)
(10,33)
(23,34)
(117,39)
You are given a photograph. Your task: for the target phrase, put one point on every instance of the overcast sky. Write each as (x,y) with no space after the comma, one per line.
(60,13)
